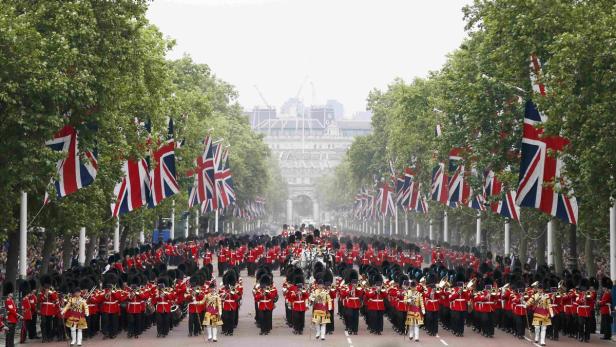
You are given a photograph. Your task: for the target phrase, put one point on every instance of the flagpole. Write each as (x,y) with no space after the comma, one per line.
(507,237)
(445,227)
(23,235)
(396,218)
(142,234)
(82,246)
(116,236)
(197,222)
(418,229)
(406,224)
(478,231)
(550,242)
(172,230)
(613,241)
(216,221)
(431,231)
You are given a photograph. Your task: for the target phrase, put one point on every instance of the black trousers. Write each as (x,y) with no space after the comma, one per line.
(431,322)
(47,327)
(287,314)
(194,324)
(10,335)
(58,325)
(508,321)
(228,318)
(457,322)
(31,327)
(252,268)
(445,315)
(553,329)
(585,328)
(375,321)
(298,318)
(163,323)
(487,323)
(606,325)
(520,325)
(266,321)
(351,319)
(134,324)
(109,324)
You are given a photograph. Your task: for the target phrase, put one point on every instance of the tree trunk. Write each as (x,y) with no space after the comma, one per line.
(67,252)
(12,257)
(123,238)
(523,247)
(589,257)
(102,246)
(540,250)
(558,251)
(572,247)
(91,248)
(48,246)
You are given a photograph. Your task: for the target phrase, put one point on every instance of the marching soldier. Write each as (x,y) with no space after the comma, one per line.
(162,302)
(585,310)
(135,310)
(297,298)
(416,311)
(229,298)
(321,306)
(431,297)
(213,312)
(605,308)
(195,307)
(110,308)
(11,313)
(542,312)
(375,304)
(28,309)
(48,308)
(265,295)
(75,313)
(351,294)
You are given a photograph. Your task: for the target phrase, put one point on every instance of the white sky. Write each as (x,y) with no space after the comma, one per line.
(345,48)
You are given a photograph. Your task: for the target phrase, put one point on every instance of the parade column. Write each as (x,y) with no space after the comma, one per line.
(550,242)
(507,237)
(478,231)
(82,246)
(23,235)
(445,227)
(116,236)
(613,241)
(172,231)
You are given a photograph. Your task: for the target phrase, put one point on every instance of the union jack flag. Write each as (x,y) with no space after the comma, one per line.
(422,206)
(540,170)
(385,200)
(403,184)
(456,182)
(203,186)
(73,174)
(438,190)
(493,187)
(507,206)
(224,181)
(164,183)
(134,190)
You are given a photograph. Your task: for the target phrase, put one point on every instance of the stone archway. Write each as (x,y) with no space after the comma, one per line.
(301,205)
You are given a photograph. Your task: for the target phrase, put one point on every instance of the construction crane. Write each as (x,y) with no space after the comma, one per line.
(262,97)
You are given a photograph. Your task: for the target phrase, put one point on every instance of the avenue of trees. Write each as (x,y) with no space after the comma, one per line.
(99,65)
(478,99)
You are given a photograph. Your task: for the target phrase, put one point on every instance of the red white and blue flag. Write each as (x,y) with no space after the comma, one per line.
(507,206)
(456,181)
(73,174)
(224,181)
(440,181)
(133,191)
(385,201)
(164,183)
(403,185)
(539,168)
(203,187)
(492,188)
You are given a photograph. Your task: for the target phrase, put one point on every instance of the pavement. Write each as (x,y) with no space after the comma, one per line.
(247,334)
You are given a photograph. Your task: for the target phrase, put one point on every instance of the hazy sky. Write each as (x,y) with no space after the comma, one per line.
(344,48)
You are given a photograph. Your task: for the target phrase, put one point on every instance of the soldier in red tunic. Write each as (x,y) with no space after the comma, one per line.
(11,313)
(374,299)
(194,297)
(28,308)
(351,293)
(605,308)
(298,300)
(265,296)
(230,301)
(48,300)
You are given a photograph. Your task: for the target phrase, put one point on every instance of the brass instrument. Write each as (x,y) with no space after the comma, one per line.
(470,284)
